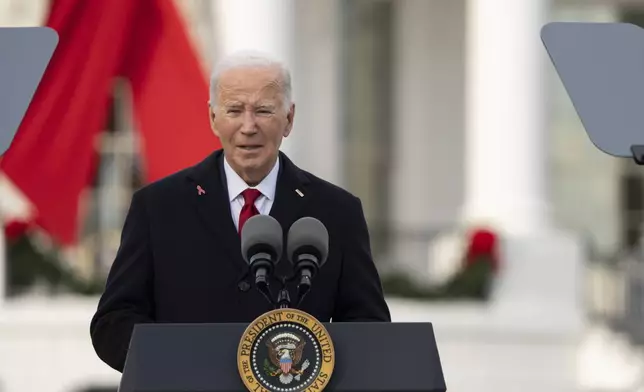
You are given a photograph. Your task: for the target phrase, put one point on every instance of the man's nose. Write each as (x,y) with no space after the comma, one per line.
(250,123)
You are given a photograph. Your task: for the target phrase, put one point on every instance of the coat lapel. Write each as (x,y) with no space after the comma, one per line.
(210,197)
(291,195)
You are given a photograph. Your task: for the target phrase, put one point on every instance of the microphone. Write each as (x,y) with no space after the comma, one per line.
(261,246)
(308,248)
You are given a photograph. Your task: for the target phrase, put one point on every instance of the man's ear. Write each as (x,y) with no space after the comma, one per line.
(290,117)
(211,118)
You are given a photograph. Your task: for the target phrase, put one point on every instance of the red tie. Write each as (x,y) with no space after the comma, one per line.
(249,209)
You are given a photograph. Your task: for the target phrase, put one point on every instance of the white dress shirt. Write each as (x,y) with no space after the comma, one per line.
(236,185)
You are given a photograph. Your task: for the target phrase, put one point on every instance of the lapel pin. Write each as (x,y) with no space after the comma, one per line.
(299,192)
(200,190)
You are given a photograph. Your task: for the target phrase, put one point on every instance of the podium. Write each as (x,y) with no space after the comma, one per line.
(373,357)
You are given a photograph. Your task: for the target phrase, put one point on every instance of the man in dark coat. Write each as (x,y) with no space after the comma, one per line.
(180,260)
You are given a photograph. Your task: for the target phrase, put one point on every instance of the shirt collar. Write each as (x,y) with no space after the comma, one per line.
(236,185)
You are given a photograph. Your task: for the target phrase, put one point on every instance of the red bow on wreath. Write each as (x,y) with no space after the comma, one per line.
(482,246)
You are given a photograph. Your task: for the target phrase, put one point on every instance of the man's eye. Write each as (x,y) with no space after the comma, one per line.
(233,111)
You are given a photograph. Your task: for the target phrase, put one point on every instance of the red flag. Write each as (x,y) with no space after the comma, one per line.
(52,158)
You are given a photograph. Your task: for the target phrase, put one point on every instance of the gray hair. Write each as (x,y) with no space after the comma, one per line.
(245,59)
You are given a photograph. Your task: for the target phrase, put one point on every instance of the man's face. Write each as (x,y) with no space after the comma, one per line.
(250,119)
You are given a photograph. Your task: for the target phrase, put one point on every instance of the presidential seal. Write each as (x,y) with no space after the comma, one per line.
(285,350)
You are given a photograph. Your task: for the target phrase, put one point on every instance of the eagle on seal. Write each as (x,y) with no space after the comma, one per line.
(285,354)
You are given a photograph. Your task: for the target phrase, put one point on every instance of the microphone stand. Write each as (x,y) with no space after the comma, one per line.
(283,298)
(265,291)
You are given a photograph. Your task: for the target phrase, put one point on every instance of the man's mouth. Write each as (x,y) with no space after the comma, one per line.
(250,147)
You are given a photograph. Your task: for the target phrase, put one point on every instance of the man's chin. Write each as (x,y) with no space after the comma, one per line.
(253,160)
(251,163)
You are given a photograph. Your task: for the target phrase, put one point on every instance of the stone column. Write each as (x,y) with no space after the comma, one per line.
(318,116)
(427,143)
(506,157)
(506,126)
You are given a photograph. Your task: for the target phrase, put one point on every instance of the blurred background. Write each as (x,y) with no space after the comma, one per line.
(491,213)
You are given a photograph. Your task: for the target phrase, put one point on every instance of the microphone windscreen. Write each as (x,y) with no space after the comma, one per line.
(308,235)
(261,233)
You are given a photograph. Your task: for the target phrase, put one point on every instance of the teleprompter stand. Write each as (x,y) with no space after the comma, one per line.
(638,153)
(371,357)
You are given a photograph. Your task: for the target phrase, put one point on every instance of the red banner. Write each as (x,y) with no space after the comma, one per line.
(53,156)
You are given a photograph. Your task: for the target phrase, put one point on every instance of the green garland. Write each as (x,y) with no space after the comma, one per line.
(473,282)
(27,265)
